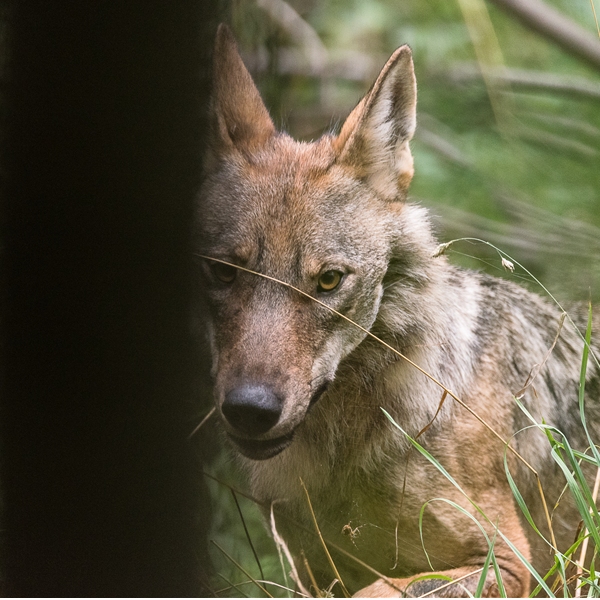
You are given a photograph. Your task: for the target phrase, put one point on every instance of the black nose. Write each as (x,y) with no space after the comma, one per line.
(252,409)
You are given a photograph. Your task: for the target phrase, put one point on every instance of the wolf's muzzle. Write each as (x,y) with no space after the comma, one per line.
(252,409)
(262,449)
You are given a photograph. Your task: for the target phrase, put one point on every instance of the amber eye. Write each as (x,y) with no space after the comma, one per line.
(329,280)
(224,273)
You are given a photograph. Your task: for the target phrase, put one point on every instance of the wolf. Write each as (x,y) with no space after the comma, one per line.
(308,253)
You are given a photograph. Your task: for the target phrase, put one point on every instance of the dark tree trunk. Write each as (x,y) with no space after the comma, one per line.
(102,159)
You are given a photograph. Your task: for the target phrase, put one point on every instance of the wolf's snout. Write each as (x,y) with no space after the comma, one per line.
(252,409)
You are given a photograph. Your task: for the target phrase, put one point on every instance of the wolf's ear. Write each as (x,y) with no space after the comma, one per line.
(374,139)
(239,120)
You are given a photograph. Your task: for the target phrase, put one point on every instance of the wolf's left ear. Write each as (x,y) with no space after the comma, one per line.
(239,120)
(374,139)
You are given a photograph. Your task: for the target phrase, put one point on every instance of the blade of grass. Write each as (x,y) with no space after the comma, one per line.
(538,588)
(593,579)
(582,379)
(490,557)
(282,547)
(445,585)
(329,558)
(562,570)
(311,576)
(295,593)
(437,412)
(232,586)
(443,247)
(237,564)
(434,576)
(595,17)
(402,495)
(489,56)
(300,526)
(210,413)
(584,546)
(499,581)
(583,486)
(517,494)
(262,575)
(437,464)
(486,567)
(578,496)
(459,508)
(236,586)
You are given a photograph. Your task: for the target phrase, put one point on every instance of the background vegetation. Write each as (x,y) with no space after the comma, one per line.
(507,149)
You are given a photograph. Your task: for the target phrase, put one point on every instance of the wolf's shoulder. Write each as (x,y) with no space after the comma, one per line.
(510,310)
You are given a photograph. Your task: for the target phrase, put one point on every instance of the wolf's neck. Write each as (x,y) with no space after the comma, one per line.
(428,318)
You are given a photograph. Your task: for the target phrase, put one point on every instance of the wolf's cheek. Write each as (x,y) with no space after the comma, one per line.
(346,336)
(328,359)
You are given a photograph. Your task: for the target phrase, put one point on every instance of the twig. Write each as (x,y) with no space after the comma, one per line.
(237,564)
(535,371)
(312,577)
(232,586)
(299,525)
(329,558)
(529,79)
(282,547)
(555,26)
(250,582)
(299,31)
(595,17)
(206,418)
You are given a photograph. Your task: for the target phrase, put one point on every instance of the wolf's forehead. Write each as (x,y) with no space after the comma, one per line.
(287,168)
(289,204)
(282,224)
(278,185)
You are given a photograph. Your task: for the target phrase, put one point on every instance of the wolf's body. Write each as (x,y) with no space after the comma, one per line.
(301,389)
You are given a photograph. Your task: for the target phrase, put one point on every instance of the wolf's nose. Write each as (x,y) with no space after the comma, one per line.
(252,409)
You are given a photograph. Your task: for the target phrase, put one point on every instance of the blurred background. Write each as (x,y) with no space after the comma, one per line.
(507,150)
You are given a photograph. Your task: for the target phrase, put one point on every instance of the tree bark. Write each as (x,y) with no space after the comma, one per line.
(102,159)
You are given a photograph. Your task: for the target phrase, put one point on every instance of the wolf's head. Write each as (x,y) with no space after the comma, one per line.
(324,217)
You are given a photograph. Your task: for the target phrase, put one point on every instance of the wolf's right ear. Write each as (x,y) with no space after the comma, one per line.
(374,139)
(239,120)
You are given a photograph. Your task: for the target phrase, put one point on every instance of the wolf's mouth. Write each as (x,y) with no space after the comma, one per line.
(262,449)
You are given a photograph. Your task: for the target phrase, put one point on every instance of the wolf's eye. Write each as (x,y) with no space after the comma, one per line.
(329,280)
(224,273)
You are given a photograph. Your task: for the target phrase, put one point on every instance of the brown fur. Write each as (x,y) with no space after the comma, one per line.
(295,211)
